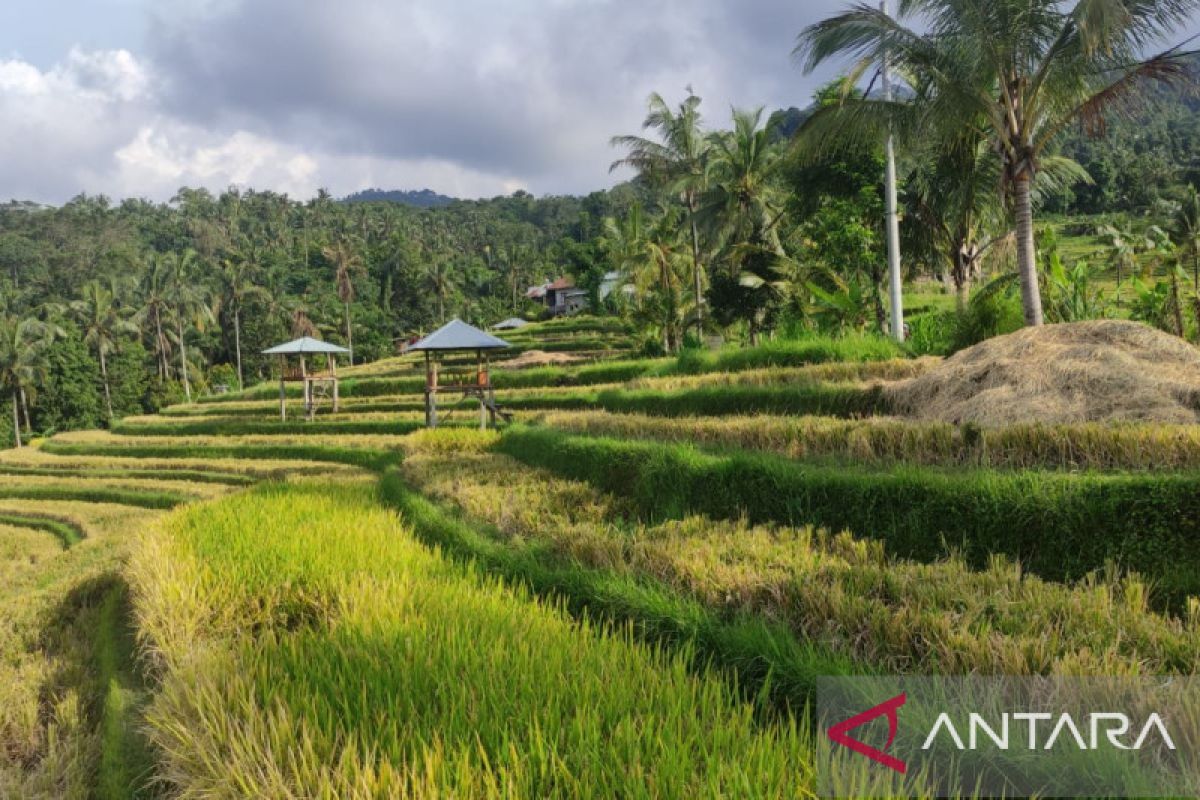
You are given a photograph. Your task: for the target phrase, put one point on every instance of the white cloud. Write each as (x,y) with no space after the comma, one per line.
(467,97)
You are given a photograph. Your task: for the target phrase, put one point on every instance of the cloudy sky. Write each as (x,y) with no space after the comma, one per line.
(467,97)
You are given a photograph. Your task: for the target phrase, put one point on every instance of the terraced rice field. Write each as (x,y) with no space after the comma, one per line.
(628,592)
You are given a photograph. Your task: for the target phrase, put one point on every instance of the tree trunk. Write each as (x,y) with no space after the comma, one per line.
(183,370)
(160,344)
(349,334)
(237,346)
(25,411)
(697,283)
(16,423)
(1176,306)
(104,380)
(1031,296)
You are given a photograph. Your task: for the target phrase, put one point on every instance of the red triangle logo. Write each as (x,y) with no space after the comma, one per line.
(888,708)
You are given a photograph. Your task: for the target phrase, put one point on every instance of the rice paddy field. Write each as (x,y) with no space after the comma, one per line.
(628,591)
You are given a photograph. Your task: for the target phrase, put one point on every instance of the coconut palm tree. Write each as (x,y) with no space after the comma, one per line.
(1027,68)
(648,259)
(22,343)
(102,320)
(154,311)
(1185,232)
(678,162)
(189,306)
(347,263)
(237,286)
(440,281)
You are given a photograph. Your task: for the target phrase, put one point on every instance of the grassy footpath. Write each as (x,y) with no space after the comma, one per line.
(1060,526)
(308,645)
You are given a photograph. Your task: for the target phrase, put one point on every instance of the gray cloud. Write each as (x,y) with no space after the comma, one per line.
(527,89)
(468,97)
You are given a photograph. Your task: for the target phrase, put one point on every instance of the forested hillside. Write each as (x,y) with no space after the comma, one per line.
(115,307)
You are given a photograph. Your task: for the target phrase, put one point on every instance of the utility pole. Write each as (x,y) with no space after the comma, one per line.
(893,220)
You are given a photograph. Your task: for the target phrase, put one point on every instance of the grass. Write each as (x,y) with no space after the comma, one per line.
(51,695)
(127,497)
(783,353)
(309,645)
(1059,526)
(227,427)
(883,441)
(190,475)
(364,457)
(65,531)
(841,596)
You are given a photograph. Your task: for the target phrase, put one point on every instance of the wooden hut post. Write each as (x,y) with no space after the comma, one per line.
(481,386)
(431,385)
(332,360)
(282,389)
(307,388)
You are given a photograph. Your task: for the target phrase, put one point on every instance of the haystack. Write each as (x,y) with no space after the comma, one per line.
(1107,370)
(540,358)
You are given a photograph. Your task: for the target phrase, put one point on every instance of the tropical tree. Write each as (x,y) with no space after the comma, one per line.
(742,209)
(237,285)
(1027,68)
(347,264)
(154,310)
(102,320)
(647,257)
(677,162)
(189,306)
(22,344)
(1185,232)
(440,282)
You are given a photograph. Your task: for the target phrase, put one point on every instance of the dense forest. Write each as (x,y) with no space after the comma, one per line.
(738,229)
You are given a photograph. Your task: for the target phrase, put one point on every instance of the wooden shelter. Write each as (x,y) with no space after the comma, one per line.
(316,384)
(469,376)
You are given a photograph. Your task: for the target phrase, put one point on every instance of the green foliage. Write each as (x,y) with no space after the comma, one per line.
(1058,526)
(71,398)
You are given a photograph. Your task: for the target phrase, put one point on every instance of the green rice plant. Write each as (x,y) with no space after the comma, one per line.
(783,353)
(226,427)
(189,475)
(53,697)
(812,349)
(1059,526)
(365,457)
(838,593)
(883,440)
(65,531)
(308,645)
(127,497)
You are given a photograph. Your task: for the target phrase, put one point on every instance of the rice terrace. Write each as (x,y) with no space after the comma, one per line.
(891,374)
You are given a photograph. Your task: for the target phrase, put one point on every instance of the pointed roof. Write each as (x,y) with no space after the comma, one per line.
(458,335)
(303,346)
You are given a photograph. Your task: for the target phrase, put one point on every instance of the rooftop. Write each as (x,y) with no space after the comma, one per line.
(458,335)
(303,346)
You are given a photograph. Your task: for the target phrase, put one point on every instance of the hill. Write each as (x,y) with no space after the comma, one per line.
(425,198)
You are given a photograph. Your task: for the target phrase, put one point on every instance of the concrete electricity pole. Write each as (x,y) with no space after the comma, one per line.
(893,220)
